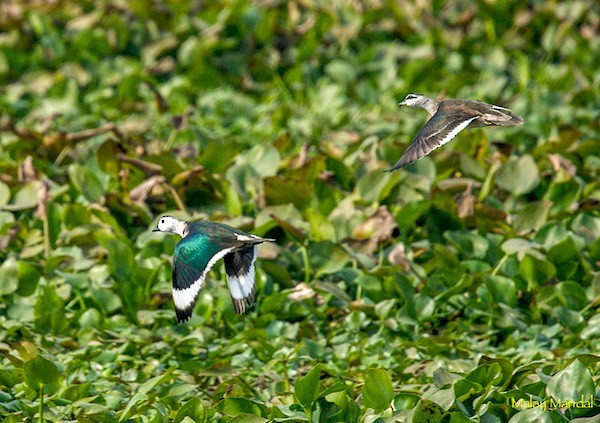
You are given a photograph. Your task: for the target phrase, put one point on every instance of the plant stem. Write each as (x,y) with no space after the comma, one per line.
(500,264)
(176,198)
(46,236)
(41,410)
(170,141)
(306,264)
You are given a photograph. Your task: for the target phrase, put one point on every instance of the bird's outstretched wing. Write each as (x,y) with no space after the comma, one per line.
(194,257)
(440,129)
(198,252)
(239,267)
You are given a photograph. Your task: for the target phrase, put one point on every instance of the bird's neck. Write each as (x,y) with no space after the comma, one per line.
(431,106)
(181,228)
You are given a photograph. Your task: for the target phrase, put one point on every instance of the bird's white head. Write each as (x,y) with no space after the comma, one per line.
(170,224)
(415,100)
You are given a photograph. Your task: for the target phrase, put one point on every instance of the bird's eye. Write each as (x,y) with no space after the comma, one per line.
(411,96)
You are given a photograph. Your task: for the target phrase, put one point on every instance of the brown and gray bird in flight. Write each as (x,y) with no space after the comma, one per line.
(448,118)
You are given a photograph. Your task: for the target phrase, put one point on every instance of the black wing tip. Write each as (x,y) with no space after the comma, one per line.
(183,315)
(518,120)
(241,305)
(258,240)
(400,164)
(249,299)
(393,169)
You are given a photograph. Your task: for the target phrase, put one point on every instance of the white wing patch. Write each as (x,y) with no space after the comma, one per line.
(184,298)
(454,131)
(241,237)
(502,109)
(242,286)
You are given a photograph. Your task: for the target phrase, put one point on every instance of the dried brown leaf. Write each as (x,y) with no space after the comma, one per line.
(379,227)
(465,202)
(559,162)
(140,193)
(397,256)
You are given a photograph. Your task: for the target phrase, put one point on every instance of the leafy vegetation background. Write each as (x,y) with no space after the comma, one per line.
(446,291)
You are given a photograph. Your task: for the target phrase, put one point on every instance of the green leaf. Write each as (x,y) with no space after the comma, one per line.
(9,276)
(377,392)
(240,407)
(470,244)
(486,375)
(563,251)
(307,387)
(569,318)
(563,195)
(518,176)
(424,306)
(4,194)
(407,216)
(40,372)
(587,226)
(519,246)
(107,158)
(26,197)
(341,71)
(192,409)
(232,200)
(536,414)
(217,156)
(120,256)
(564,255)
(505,365)
(573,294)
(6,218)
(29,276)
(536,271)
(573,383)
(532,217)
(428,412)
(11,377)
(295,232)
(279,190)
(503,290)
(405,401)
(264,159)
(144,389)
(376,185)
(49,311)
(86,182)
(592,330)
(321,228)
(346,410)
(90,318)
(465,390)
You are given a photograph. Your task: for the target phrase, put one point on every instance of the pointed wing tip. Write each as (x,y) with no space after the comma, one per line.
(259,239)
(241,276)
(400,164)
(183,315)
(241,305)
(252,239)
(395,168)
